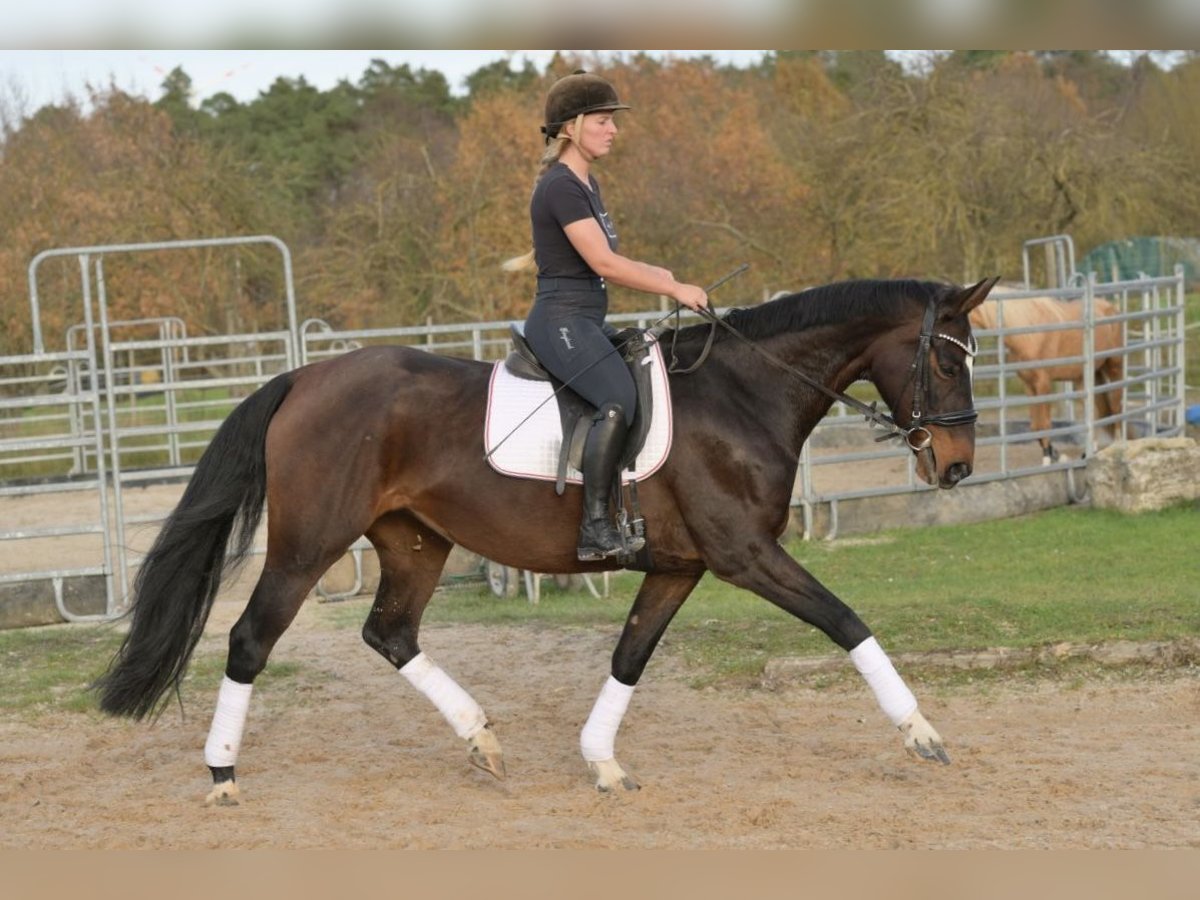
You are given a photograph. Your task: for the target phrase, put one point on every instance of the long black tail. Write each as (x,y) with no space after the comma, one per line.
(179,578)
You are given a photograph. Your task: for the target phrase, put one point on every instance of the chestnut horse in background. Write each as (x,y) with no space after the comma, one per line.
(1032,312)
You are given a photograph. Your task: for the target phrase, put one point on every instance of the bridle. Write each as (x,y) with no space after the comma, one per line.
(920,377)
(916,435)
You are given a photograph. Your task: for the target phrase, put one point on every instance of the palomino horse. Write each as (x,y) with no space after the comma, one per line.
(1032,312)
(388,442)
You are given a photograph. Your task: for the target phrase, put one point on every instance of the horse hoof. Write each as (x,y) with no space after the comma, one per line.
(610,776)
(921,740)
(483,751)
(223,794)
(933,754)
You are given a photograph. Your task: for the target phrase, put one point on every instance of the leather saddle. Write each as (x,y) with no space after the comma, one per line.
(576,413)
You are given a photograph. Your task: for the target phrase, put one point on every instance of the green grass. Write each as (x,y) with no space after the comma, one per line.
(47,670)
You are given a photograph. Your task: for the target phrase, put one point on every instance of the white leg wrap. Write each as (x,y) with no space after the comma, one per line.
(895,699)
(600,732)
(225,735)
(461,711)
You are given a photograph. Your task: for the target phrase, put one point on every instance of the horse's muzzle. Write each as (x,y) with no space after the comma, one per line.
(927,469)
(954,473)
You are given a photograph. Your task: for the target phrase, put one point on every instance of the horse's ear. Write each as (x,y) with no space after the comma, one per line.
(962,302)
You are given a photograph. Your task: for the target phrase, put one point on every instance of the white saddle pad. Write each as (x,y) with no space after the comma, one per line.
(530,449)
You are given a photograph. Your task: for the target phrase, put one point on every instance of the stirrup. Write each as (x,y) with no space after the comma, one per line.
(632,531)
(595,554)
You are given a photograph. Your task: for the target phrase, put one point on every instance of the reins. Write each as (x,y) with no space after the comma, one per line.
(712,331)
(920,368)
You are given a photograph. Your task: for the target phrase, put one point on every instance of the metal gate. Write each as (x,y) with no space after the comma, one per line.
(127,402)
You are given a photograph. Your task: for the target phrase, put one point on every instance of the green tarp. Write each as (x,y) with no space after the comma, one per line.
(1156,256)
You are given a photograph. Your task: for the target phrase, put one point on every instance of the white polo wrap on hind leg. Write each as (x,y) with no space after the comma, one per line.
(895,699)
(229,721)
(461,711)
(600,733)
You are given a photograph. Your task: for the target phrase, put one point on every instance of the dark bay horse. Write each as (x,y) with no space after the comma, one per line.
(388,442)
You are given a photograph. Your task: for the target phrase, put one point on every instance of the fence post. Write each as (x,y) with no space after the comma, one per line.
(1180,354)
(1089,364)
(109,370)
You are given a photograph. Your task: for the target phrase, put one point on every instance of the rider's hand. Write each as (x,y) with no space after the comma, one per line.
(692,296)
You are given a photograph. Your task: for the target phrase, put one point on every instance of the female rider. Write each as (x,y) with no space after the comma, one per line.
(575,253)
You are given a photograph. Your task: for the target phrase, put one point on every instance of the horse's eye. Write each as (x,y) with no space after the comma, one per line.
(948,369)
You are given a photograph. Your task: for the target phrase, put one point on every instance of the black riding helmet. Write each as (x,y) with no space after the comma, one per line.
(575,94)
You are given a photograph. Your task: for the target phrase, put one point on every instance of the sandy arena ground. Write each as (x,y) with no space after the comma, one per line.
(348,756)
(354,758)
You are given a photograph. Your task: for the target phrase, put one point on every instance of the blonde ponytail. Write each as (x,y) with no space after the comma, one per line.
(520,263)
(554,149)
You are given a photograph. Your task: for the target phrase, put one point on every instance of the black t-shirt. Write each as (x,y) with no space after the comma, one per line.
(559,199)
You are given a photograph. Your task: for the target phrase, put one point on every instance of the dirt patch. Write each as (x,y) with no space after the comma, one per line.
(354,758)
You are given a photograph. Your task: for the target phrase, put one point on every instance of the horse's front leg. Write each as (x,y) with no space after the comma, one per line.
(659,597)
(774,575)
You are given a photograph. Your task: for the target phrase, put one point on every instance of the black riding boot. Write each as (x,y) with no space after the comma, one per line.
(598,538)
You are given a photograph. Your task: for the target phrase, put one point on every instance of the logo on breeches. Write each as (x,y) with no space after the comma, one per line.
(565,334)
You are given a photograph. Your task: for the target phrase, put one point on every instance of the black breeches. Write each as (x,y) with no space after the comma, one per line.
(566,332)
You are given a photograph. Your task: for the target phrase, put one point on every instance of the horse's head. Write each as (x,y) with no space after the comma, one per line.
(923,372)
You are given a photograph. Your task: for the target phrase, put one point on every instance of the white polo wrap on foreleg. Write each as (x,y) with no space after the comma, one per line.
(461,711)
(600,732)
(895,699)
(229,721)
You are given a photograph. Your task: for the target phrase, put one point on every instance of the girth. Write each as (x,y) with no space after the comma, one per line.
(576,413)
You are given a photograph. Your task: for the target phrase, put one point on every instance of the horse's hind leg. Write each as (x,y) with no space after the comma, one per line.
(1109,402)
(411,558)
(1038,384)
(276,599)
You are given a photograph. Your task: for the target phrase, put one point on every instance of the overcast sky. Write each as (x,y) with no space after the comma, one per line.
(38,77)
(33,78)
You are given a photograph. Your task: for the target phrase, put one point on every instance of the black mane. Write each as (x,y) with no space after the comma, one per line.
(824,305)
